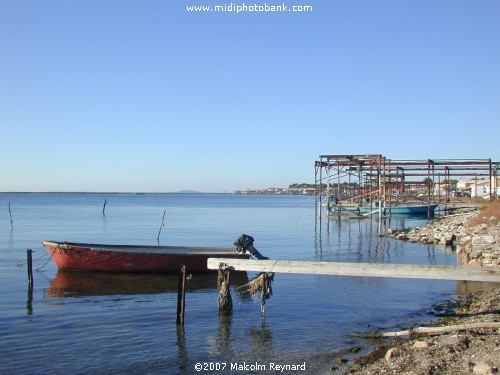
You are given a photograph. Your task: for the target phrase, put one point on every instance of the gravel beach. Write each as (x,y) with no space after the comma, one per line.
(464,349)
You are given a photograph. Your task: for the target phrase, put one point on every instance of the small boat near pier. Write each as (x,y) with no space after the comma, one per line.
(406,209)
(134,258)
(409,209)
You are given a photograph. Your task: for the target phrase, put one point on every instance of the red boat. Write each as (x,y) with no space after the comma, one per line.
(132,258)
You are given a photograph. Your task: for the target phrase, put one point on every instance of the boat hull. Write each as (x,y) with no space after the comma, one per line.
(412,210)
(400,210)
(128,258)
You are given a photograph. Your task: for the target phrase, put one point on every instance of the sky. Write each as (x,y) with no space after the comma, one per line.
(148,96)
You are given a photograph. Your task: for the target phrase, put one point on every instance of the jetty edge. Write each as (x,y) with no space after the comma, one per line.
(413,271)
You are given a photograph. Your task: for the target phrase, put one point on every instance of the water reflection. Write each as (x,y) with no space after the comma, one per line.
(29,302)
(223,343)
(351,240)
(261,340)
(348,239)
(259,344)
(78,284)
(183,353)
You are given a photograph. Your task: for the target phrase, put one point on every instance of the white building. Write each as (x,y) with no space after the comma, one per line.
(480,188)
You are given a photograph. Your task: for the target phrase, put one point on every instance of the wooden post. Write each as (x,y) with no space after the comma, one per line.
(30,267)
(225,301)
(181,344)
(266,293)
(181,294)
(29,303)
(104,207)
(380,203)
(10,214)
(162,224)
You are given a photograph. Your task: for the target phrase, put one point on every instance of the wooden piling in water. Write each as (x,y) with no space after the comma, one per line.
(10,214)
(104,207)
(181,296)
(30,267)
(29,304)
(225,300)
(162,224)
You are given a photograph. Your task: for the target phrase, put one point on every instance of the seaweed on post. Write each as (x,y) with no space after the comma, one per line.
(224,300)
(261,283)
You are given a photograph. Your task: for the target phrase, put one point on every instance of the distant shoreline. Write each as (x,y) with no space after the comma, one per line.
(142,193)
(106,193)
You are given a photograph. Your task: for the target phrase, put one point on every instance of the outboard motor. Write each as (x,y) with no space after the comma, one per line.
(245,243)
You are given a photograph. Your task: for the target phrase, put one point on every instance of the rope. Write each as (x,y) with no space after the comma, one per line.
(46,262)
(266,293)
(22,264)
(43,256)
(275,262)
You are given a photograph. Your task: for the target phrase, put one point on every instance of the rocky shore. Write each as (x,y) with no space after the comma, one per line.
(475,244)
(469,350)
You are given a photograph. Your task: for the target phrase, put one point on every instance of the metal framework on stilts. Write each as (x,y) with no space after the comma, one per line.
(375,180)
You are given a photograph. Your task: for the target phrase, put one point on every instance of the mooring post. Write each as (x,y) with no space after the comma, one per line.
(104,207)
(162,224)
(29,303)
(181,294)
(10,214)
(30,267)
(224,300)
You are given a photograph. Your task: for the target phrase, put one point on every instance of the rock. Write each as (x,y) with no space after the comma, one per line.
(474,254)
(466,239)
(390,231)
(391,353)
(476,240)
(463,233)
(488,240)
(492,221)
(475,263)
(482,369)
(420,344)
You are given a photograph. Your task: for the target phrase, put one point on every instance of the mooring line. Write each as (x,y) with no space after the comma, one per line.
(46,262)
(34,260)
(275,262)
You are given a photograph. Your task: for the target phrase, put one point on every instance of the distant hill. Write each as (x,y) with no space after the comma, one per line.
(188,192)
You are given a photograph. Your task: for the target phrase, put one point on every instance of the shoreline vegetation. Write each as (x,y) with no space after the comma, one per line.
(466,339)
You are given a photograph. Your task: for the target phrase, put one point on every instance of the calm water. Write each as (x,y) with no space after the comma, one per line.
(125,324)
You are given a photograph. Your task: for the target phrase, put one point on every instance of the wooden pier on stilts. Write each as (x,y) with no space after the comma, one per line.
(405,271)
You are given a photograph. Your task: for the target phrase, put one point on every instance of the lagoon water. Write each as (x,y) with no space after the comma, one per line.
(102,323)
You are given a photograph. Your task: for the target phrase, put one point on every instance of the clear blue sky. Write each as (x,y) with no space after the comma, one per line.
(121,95)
